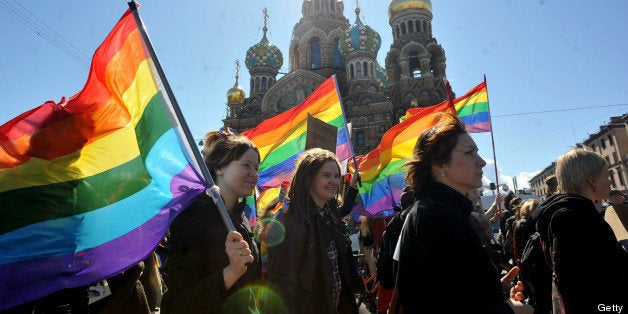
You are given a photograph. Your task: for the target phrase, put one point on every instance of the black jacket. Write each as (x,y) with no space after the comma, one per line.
(442,266)
(299,268)
(591,266)
(195,259)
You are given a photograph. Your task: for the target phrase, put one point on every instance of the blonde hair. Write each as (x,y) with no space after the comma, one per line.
(574,168)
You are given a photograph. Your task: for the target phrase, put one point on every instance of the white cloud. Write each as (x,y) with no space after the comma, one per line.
(489,176)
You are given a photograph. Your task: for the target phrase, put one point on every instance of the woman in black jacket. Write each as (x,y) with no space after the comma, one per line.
(313,269)
(443,266)
(207,268)
(591,266)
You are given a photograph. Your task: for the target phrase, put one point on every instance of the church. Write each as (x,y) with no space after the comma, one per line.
(324,43)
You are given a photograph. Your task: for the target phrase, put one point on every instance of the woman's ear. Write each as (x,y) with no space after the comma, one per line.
(219,172)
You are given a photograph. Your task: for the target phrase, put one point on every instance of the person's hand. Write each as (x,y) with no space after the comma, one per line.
(498,200)
(514,292)
(354,179)
(519,307)
(239,255)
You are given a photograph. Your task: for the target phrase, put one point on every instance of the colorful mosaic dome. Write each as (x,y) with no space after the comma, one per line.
(361,37)
(264,54)
(400,5)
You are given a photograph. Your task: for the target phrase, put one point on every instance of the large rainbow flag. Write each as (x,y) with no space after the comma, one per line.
(281,139)
(89,186)
(383,177)
(472,109)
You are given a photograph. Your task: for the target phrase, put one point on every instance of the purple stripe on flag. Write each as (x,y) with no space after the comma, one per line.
(479,127)
(384,203)
(28,280)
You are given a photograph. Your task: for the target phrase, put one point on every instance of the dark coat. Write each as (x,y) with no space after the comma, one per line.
(591,266)
(195,259)
(299,268)
(442,265)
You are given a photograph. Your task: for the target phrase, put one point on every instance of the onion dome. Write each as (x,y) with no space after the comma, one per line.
(400,5)
(361,37)
(264,54)
(236,93)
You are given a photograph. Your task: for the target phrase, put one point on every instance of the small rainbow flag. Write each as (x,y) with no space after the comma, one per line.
(281,139)
(383,177)
(472,109)
(89,186)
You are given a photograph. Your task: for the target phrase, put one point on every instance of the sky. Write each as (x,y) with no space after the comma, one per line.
(555,69)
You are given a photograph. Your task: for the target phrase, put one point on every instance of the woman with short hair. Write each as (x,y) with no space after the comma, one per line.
(443,266)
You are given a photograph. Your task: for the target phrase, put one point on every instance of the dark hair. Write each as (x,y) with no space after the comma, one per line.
(306,167)
(507,198)
(220,148)
(433,147)
(552,184)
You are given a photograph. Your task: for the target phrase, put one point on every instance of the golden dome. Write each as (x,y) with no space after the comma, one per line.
(400,5)
(236,94)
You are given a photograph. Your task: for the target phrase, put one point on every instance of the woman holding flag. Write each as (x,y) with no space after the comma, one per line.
(205,273)
(439,252)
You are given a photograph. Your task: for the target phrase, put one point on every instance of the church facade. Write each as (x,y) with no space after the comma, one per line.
(324,43)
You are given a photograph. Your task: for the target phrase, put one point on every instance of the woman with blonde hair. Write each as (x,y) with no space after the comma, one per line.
(589,264)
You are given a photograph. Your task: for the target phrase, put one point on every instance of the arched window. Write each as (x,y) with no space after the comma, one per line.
(372,70)
(263,83)
(252,84)
(425,30)
(332,5)
(403,28)
(359,136)
(365,69)
(257,84)
(315,53)
(415,63)
(337,54)
(397,30)
(351,71)
(410,27)
(418,25)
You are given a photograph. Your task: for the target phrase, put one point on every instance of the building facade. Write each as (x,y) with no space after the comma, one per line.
(611,141)
(324,43)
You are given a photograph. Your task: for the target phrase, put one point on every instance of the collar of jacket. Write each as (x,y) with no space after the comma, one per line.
(440,192)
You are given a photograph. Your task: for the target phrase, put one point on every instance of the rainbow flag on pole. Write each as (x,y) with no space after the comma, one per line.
(281,139)
(383,177)
(89,186)
(472,109)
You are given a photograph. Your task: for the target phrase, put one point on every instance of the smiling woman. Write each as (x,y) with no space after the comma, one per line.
(208,268)
(313,268)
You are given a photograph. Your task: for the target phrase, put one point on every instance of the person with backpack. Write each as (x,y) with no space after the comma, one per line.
(589,265)
(443,267)
(386,265)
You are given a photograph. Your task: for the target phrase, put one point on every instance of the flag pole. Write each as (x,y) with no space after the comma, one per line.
(344,119)
(492,141)
(213,191)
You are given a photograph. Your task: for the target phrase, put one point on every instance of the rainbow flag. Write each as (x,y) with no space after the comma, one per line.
(89,186)
(281,139)
(383,177)
(472,109)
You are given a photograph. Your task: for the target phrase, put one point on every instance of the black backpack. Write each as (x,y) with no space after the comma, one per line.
(386,266)
(536,273)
